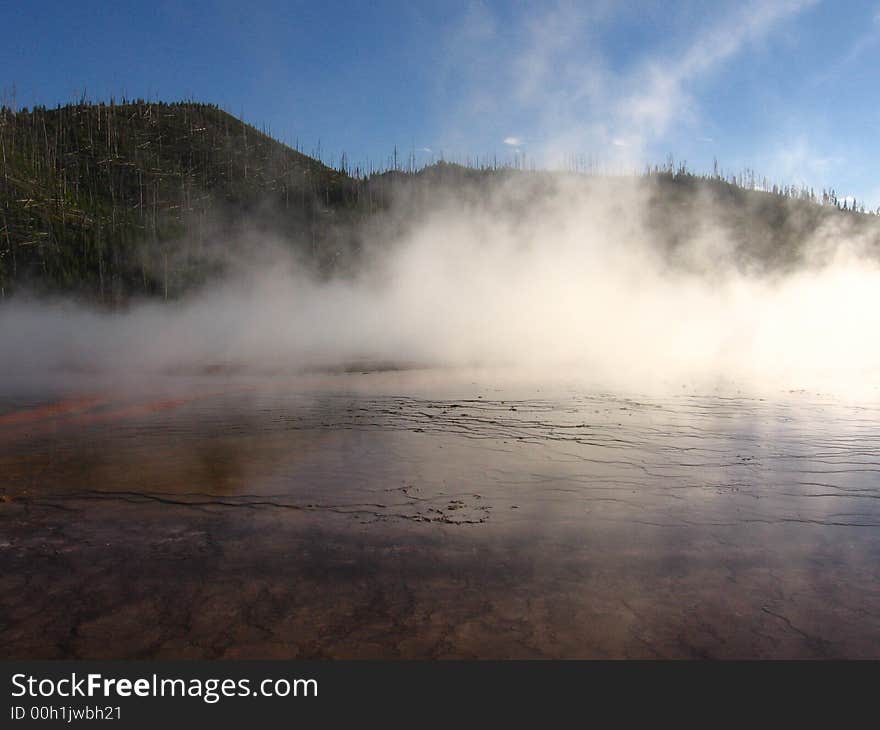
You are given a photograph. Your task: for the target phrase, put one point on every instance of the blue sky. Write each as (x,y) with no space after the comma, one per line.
(788,88)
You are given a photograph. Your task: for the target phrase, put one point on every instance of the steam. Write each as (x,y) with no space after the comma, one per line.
(573,281)
(547,274)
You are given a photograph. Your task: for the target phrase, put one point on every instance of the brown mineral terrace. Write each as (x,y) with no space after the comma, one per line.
(415,515)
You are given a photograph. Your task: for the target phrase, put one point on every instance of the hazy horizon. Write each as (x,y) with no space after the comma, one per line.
(572,279)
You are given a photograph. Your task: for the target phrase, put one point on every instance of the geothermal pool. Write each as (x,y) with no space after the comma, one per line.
(426,514)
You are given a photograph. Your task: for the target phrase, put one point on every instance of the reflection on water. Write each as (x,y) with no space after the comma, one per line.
(397,515)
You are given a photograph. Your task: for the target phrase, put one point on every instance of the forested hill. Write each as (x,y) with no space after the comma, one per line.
(110,202)
(95,198)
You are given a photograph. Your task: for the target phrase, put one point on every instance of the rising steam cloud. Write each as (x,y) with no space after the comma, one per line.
(574,282)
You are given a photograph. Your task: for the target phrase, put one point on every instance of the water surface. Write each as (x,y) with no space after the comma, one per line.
(434,515)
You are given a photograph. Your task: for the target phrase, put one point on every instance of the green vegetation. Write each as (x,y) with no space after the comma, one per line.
(142,199)
(766,228)
(96,199)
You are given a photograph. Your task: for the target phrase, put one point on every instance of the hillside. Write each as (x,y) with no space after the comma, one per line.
(111,202)
(95,199)
(762,232)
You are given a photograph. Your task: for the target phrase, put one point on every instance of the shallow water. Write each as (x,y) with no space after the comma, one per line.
(428,514)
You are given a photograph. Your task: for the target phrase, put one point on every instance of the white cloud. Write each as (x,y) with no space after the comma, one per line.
(658,95)
(550,69)
(514,141)
(797,161)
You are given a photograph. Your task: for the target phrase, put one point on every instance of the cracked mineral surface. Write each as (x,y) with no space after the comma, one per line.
(406,515)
